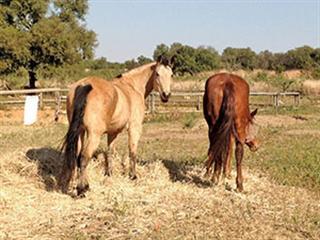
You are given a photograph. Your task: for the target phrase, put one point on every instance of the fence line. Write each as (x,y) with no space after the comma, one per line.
(153,104)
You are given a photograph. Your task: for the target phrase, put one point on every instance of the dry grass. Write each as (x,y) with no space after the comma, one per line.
(311,87)
(170,199)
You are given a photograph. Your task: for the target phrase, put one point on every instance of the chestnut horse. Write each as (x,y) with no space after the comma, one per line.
(226,110)
(96,106)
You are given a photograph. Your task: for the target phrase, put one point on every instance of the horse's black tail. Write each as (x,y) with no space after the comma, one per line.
(75,128)
(222,129)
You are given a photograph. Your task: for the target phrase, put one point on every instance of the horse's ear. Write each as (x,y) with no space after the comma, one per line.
(163,60)
(254,112)
(159,59)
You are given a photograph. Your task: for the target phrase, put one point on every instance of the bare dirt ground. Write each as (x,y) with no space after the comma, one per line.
(170,200)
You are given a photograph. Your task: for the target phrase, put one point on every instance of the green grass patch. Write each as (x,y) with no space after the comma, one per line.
(291,155)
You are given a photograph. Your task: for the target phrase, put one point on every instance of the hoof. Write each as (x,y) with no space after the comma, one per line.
(81,190)
(228,187)
(108,173)
(133,177)
(215,180)
(207,174)
(239,189)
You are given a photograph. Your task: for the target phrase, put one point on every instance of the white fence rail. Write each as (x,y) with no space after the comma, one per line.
(180,101)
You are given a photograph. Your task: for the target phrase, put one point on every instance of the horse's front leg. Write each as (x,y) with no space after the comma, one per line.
(111,151)
(134,136)
(239,156)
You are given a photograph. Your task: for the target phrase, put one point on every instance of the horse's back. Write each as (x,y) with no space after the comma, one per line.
(218,81)
(100,103)
(108,105)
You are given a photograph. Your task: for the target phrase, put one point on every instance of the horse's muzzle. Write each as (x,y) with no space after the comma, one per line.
(253,145)
(164,97)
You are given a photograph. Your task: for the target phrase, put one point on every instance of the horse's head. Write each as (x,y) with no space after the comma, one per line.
(252,129)
(162,78)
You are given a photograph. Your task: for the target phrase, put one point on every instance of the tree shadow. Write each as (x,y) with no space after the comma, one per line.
(49,163)
(181,172)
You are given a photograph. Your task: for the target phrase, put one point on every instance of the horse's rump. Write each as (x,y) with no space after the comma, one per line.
(223,127)
(75,127)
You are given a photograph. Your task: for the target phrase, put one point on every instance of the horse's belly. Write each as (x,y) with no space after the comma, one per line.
(117,126)
(119,119)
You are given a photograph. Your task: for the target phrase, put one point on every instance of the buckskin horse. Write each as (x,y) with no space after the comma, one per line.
(226,110)
(96,106)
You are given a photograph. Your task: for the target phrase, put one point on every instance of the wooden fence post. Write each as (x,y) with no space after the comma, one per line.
(199,103)
(297,100)
(277,102)
(58,105)
(153,104)
(41,101)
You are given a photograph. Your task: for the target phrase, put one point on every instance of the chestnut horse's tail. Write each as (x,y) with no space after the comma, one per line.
(223,128)
(71,139)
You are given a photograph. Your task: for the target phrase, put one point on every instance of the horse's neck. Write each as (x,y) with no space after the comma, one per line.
(142,82)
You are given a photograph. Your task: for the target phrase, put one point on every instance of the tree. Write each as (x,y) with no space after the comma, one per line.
(239,58)
(161,50)
(265,60)
(130,64)
(300,58)
(39,33)
(99,63)
(207,58)
(315,55)
(187,59)
(143,60)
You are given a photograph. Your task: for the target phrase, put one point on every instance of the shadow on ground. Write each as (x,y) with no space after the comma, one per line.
(49,163)
(184,173)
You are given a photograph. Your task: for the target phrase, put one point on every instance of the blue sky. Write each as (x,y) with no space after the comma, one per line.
(127,29)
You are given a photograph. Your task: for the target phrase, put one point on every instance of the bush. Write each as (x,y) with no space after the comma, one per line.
(316,73)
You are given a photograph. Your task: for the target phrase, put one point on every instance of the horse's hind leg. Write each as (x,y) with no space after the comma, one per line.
(110,154)
(227,165)
(68,176)
(239,156)
(134,136)
(208,164)
(217,171)
(91,146)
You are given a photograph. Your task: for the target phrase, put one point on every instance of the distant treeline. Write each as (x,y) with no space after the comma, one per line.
(187,60)
(191,60)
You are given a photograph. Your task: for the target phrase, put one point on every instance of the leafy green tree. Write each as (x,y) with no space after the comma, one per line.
(161,50)
(265,60)
(279,62)
(239,58)
(99,63)
(300,58)
(315,55)
(40,33)
(143,60)
(130,64)
(187,59)
(207,58)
